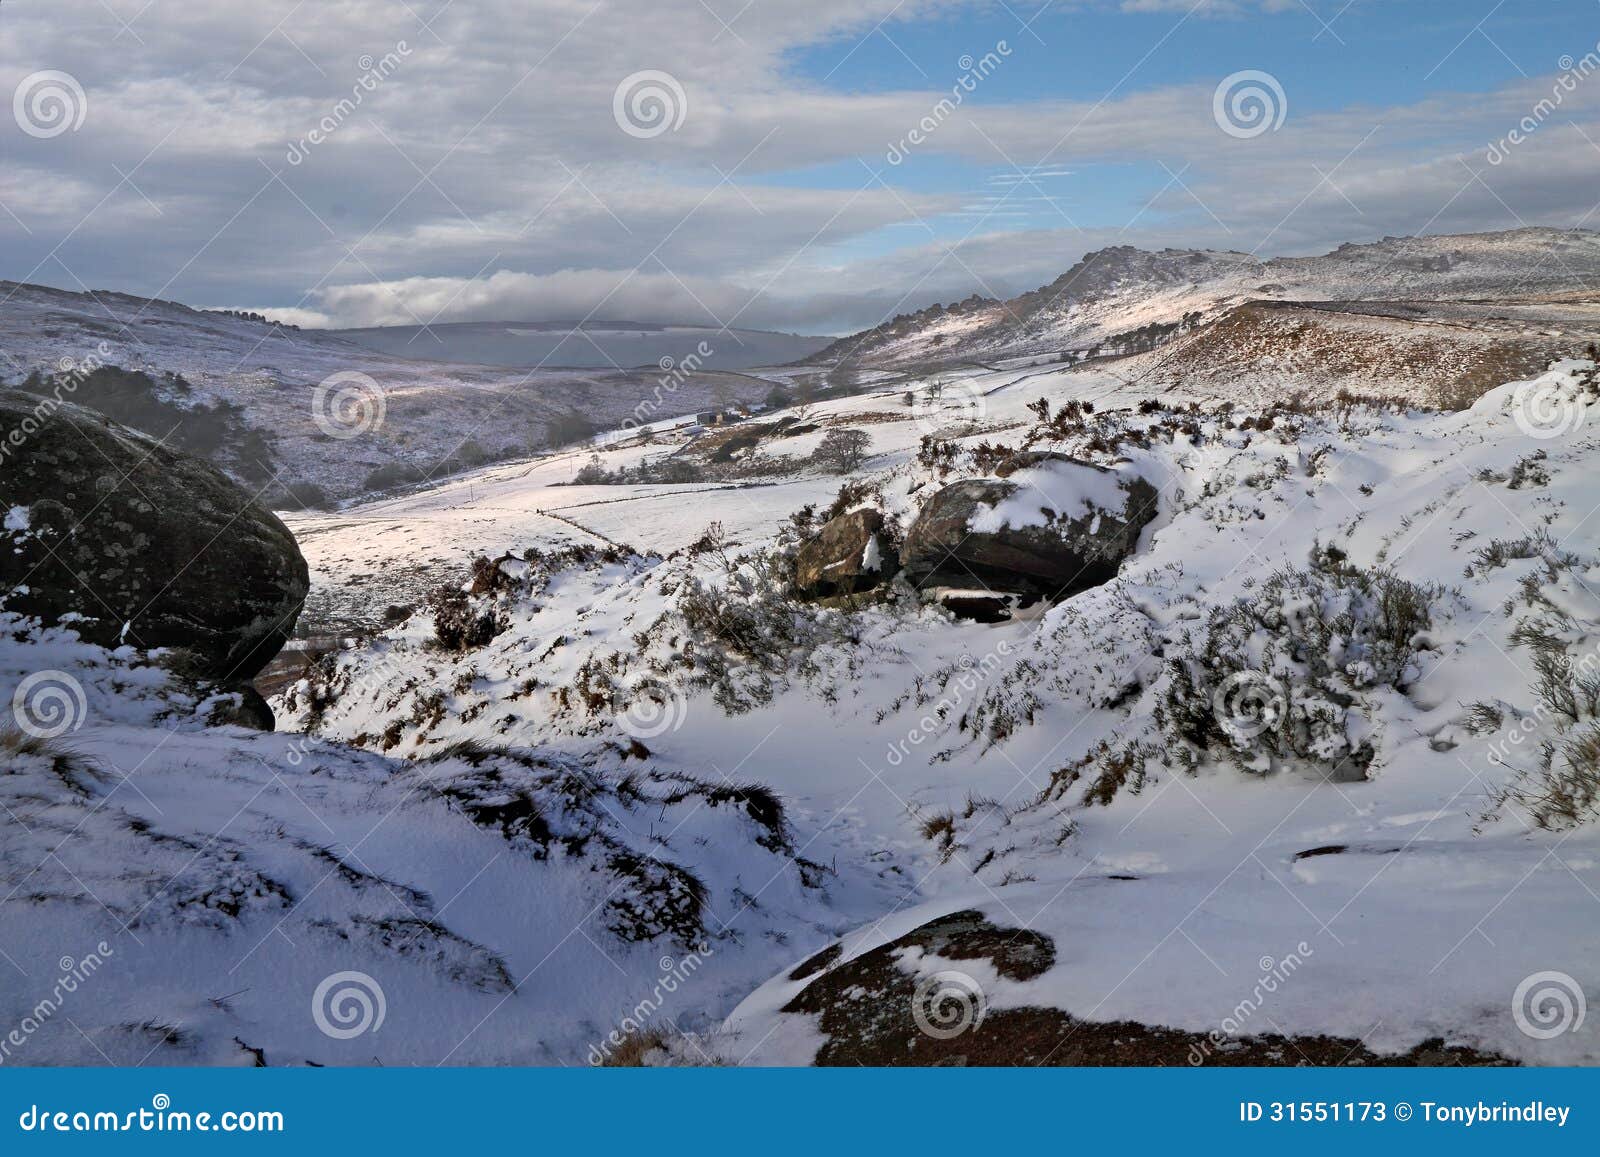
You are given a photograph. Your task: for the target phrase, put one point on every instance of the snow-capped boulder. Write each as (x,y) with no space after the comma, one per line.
(134,543)
(1054,527)
(848,556)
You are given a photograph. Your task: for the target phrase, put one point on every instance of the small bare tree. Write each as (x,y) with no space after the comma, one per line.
(803,398)
(842,451)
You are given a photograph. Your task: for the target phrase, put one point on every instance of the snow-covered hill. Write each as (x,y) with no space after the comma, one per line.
(1533,293)
(1403,603)
(1314,773)
(335,414)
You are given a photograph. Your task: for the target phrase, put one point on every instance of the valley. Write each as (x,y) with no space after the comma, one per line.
(1221,695)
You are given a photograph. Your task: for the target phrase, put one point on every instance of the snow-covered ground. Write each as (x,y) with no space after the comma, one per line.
(487,910)
(1418,925)
(1243,749)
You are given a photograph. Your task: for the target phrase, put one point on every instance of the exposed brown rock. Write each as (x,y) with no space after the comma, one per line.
(866,1009)
(837,561)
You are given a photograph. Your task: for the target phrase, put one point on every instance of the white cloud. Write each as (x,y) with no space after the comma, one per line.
(484,176)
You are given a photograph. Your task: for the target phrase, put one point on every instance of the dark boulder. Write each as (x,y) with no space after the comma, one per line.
(1056,526)
(244,706)
(849,555)
(134,543)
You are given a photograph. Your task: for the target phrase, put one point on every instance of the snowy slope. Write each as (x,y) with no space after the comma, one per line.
(246,898)
(977,761)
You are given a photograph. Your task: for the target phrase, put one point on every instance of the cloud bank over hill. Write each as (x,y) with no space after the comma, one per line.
(487,162)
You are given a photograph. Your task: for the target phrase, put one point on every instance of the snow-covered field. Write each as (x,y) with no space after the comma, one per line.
(1249,786)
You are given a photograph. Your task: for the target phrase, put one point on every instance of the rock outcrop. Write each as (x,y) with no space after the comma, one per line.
(1054,527)
(130,542)
(917,1000)
(849,555)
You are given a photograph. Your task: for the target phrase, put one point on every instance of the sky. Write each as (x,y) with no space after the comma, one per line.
(811,166)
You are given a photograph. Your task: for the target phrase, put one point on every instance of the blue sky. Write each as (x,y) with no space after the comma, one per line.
(495,171)
(1328,56)
(1393,51)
